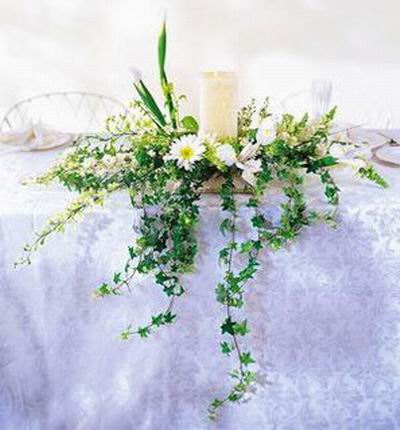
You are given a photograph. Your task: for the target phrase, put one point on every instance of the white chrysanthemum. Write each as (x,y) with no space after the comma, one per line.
(186,151)
(226,154)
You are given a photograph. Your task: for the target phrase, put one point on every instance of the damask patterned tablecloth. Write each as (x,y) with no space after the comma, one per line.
(325,315)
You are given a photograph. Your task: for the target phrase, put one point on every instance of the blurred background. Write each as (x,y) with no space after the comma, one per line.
(281,48)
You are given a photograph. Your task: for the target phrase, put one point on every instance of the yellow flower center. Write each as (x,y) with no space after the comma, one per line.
(187,153)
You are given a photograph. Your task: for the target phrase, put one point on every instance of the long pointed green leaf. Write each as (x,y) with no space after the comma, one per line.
(162,50)
(149,102)
(165,86)
(148,112)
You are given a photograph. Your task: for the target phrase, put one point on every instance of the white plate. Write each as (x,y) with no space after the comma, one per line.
(389,153)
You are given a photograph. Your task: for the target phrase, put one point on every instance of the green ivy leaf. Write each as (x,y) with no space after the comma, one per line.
(226,348)
(241,328)
(143,331)
(228,326)
(169,317)
(190,124)
(246,359)
(117,278)
(157,320)
(104,290)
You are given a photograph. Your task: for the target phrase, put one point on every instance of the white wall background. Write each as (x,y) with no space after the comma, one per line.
(278,47)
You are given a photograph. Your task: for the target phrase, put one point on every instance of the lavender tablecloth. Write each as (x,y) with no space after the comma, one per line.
(325,315)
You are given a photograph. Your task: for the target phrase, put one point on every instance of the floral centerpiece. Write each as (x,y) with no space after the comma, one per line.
(164,163)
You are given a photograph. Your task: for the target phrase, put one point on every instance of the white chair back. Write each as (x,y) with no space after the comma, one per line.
(72,112)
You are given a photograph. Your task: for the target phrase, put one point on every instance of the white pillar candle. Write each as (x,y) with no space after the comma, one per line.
(218,103)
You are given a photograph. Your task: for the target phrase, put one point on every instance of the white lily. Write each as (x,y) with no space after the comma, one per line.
(249,151)
(248,164)
(249,170)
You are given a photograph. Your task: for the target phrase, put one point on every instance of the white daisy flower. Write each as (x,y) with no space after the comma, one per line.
(186,151)
(226,154)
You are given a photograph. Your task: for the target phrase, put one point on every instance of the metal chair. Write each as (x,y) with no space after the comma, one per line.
(72,112)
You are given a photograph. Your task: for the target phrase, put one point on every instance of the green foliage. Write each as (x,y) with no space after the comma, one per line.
(370,173)
(150,103)
(190,124)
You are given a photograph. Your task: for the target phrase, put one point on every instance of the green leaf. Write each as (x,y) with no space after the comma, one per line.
(216,403)
(143,331)
(258,221)
(169,317)
(190,124)
(221,293)
(166,87)
(157,320)
(132,252)
(241,328)
(329,160)
(104,290)
(162,49)
(149,101)
(226,225)
(226,348)
(126,333)
(228,326)
(224,255)
(246,358)
(371,174)
(234,397)
(117,278)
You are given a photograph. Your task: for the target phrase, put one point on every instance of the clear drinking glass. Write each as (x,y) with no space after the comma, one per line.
(321,96)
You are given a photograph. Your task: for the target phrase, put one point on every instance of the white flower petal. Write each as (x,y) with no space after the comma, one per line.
(339,151)
(355,163)
(226,154)
(249,177)
(249,151)
(266,131)
(186,151)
